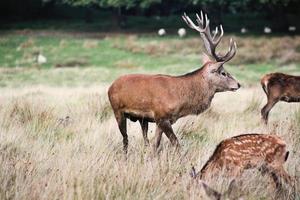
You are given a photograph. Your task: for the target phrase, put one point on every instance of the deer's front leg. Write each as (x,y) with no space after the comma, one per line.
(166,127)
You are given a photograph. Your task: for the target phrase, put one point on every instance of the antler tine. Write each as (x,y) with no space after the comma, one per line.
(211,192)
(210,41)
(206,19)
(231,51)
(200,19)
(206,34)
(218,39)
(215,33)
(201,15)
(184,17)
(189,22)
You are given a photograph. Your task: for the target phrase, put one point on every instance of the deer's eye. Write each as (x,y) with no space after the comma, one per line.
(223,73)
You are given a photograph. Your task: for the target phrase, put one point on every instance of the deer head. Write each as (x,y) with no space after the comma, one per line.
(214,194)
(214,72)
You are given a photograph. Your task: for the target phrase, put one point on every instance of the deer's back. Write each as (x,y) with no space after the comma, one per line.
(279,84)
(144,95)
(247,151)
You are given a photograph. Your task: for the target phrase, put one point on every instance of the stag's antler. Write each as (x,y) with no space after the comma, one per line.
(211,42)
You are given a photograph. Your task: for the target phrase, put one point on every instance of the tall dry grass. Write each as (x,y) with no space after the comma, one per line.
(63,143)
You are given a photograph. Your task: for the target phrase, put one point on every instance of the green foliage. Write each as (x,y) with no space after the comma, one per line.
(241,3)
(113,3)
(276,2)
(233,4)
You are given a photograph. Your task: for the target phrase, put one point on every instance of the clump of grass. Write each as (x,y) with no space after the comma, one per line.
(254,105)
(24,113)
(27,44)
(297,117)
(75,62)
(156,47)
(36,120)
(193,130)
(99,107)
(63,43)
(126,64)
(90,44)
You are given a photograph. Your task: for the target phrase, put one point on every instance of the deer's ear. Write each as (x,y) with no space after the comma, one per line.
(211,193)
(214,67)
(205,58)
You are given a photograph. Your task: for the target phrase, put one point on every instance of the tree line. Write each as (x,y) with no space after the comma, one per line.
(278,11)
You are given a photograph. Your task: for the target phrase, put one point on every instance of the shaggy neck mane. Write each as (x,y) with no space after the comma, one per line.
(195,72)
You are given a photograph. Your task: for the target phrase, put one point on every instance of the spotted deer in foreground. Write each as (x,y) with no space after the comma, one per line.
(234,155)
(279,87)
(163,99)
(212,193)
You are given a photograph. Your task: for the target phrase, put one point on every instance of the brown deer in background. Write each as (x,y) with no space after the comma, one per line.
(279,87)
(163,99)
(234,155)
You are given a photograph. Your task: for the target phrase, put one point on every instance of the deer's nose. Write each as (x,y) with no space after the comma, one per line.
(239,85)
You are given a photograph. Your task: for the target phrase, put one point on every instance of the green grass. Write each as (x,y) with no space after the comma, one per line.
(84,60)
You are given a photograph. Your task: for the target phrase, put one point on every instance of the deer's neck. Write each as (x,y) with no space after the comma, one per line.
(196,92)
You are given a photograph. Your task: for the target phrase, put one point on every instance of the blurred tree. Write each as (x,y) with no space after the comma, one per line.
(274,10)
(254,14)
(117,5)
(277,12)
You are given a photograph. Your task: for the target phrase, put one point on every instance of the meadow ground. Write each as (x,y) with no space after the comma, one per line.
(59,139)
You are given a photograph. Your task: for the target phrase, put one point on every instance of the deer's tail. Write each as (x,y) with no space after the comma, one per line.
(264,84)
(286,155)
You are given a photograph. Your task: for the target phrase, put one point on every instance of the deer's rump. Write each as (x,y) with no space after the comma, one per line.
(246,151)
(286,87)
(141,97)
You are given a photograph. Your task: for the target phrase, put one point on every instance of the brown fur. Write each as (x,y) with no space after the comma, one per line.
(279,87)
(234,155)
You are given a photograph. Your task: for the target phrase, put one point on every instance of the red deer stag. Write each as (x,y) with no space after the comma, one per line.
(234,155)
(279,87)
(163,99)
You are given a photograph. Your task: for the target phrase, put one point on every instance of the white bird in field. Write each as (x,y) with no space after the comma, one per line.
(161,32)
(41,59)
(244,30)
(267,30)
(292,28)
(181,32)
(157,17)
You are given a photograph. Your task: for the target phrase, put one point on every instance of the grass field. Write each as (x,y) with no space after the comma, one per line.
(59,139)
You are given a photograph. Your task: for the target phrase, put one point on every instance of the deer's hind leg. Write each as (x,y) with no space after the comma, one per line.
(144,125)
(121,120)
(266,109)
